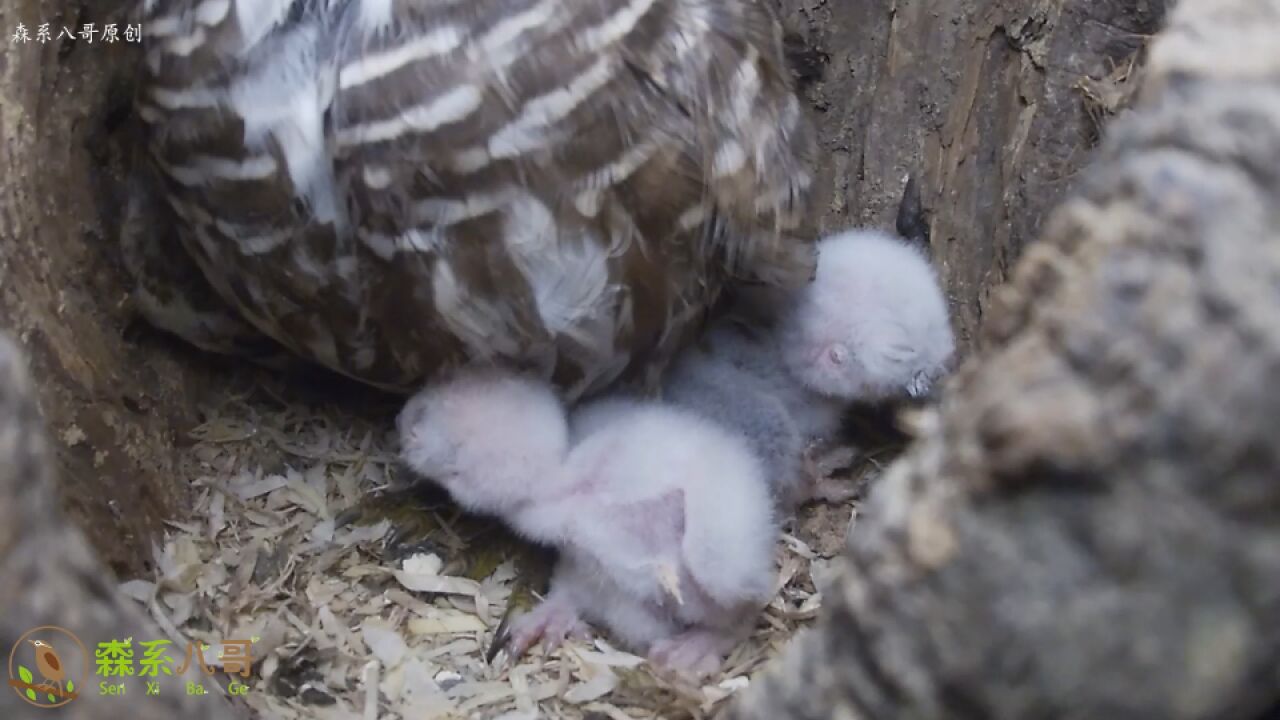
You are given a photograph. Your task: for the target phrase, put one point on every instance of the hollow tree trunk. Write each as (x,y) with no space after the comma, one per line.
(1090,525)
(991,103)
(112,405)
(889,106)
(51,577)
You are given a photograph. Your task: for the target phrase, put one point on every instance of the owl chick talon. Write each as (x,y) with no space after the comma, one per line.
(501,637)
(553,621)
(697,653)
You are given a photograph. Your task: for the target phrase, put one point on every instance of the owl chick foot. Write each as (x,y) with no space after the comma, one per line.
(819,485)
(552,621)
(698,653)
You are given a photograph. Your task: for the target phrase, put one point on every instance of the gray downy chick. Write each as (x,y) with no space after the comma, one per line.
(873,324)
(662,518)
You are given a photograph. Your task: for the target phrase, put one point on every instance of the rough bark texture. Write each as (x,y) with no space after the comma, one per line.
(51,576)
(1090,524)
(112,405)
(980,99)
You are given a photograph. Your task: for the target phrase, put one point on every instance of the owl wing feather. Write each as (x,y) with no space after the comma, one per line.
(392,186)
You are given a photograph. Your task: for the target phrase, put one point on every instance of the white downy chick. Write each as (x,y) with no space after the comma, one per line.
(662,518)
(495,440)
(872,324)
(589,417)
(671,538)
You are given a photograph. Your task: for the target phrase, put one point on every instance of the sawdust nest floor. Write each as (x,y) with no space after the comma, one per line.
(305,537)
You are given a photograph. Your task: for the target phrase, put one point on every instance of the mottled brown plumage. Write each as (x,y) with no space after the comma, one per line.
(390,187)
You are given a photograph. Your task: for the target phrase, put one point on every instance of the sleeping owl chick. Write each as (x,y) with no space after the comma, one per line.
(662,519)
(672,538)
(872,324)
(495,440)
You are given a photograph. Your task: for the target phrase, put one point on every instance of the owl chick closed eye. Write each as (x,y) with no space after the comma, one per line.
(662,519)
(872,324)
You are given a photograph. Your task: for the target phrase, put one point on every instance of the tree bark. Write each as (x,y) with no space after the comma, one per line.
(987,102)
(51,577)
(1089,525)
(113,405)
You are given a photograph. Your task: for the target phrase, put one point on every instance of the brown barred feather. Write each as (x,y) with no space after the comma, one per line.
(393,187)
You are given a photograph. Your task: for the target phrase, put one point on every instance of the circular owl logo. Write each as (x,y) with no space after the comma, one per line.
(46,666)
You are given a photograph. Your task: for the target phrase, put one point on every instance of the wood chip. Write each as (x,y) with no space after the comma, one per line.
(442,584)
(217,514)
(612,711)
(370,679)
(261,487)
(597,687)
(388,638)
(384,642)
(422,564)
(446,623)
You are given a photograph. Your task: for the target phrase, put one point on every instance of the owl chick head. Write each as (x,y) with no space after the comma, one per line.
(872,324)
(487,436)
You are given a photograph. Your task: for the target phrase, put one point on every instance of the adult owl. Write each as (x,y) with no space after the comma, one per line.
(392,187)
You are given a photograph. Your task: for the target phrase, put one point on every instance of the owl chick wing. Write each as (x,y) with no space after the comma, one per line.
(676,493)
(640,541)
